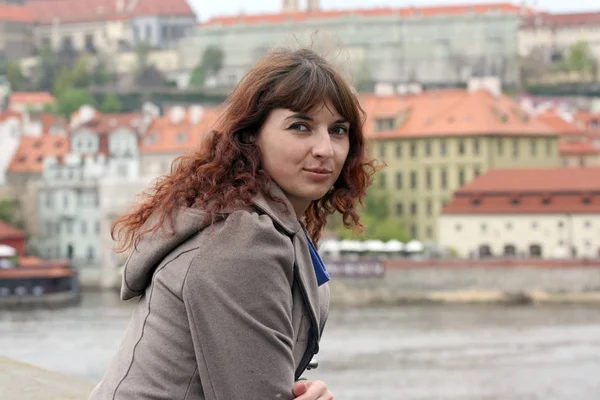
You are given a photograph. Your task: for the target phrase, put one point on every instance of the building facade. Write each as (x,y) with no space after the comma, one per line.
(432,45)
(16,24)
(437,141)
(548,213)
(10,137)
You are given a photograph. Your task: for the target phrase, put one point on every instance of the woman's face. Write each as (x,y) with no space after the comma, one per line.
(304,153)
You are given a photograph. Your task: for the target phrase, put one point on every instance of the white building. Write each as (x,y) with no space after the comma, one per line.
(10,137)
(549,213)
(552,35)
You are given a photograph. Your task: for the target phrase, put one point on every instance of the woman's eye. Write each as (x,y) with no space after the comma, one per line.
(299,127)
(339,130)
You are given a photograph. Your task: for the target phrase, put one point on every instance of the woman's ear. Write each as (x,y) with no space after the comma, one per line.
(247,138)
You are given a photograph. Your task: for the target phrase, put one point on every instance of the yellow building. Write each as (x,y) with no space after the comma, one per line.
(436,141)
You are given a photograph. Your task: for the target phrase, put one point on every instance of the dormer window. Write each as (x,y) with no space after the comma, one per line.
(515,201)
(384,124)
(546,201)
(586,200)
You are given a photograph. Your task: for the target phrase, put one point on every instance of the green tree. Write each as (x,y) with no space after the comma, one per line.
(71,99)
(80,75)
(212,60)
(47,70)
(63,82)
(111,104)
(142,51)
(197,77)
(100,74)
(8,213)
(15,76)
(580,59)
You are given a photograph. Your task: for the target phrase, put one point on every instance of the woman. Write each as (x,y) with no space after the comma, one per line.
(233,295)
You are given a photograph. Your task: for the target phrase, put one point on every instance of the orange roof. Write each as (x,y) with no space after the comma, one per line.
(301,16)
(587,120)
(10,232)
(31,98)
(561,20)
(531,191)
(56,272)
(70,11)
(15,13)
(4,115)
(583,147)
(449,113)
(162,7)
(50,120)
(544,180)
(163,136)
(558,124)
(29,157)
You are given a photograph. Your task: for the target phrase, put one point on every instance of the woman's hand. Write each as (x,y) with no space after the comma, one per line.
(311,390)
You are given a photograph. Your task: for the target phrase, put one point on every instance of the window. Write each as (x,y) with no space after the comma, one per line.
(428,178)
(97,227)
(429,233)
(413,208)
(69,225)
(461,176)
(561,224)
(428,148)
(444,178)
(476,147)
(398,150)
(458,227)
(413,180)
(500,146)
(483,228)
(413,231)
(382,150)
(148,33)
(533,145)
(515,201)
(461,146)
(413,149)
(122,170)
(83,228)
(443,147)
(549,147)
(429,208)
(546,201)
(384,124)
(477,171)
(399,209)
(181,137)
(382,180)
(534,225)
(587,224)
(90,252)
(508,226)
(399,180)
(65,200)
(515,148)
(49,199)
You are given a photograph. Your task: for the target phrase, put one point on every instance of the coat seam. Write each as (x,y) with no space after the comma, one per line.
(145,321)
(187,391)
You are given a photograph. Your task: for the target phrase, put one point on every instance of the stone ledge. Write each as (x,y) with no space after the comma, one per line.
(20,381)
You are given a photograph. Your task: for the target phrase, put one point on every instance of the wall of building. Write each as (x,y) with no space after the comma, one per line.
(552,232)
(405,157)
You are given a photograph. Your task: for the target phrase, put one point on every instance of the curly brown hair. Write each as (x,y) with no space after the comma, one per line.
(225,172)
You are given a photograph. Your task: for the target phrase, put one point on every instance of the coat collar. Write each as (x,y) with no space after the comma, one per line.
(285,217)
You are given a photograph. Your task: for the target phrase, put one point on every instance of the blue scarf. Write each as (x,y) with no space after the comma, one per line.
(320,269)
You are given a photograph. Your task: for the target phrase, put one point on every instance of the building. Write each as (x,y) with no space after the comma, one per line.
(16,24)
(103,147)
(10,137)
(13,237)
(100,26)
(33,102)
(552,35)
(432,45)
(434,142)
(526,212)
(172,135)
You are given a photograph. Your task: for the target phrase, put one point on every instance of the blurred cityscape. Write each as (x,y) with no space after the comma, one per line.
(486,116)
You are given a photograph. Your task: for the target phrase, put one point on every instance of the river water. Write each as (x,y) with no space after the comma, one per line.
(408,352)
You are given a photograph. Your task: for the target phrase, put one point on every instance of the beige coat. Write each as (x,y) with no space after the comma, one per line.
(229,312)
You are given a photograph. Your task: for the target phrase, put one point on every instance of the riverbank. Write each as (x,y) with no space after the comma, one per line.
(411,283)
(20,381)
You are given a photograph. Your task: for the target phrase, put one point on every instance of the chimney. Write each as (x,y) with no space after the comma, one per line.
(313,6)
(290,6)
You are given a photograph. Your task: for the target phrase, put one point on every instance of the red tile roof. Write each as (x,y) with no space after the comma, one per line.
(15,13)
(69,11)
(164,136)
(578,148)
(587,120)
(407,12)
(10,232)
(4,115)
(50,120)
(450,113)
(162,7)
(29,157)
(560,125)
(562,20)
(28,98)
(530,191)
(544,180)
